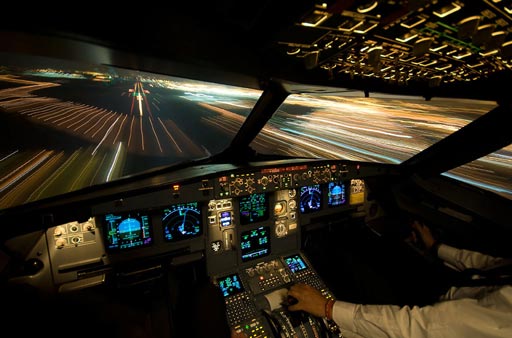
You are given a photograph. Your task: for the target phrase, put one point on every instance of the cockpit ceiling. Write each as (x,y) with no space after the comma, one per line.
(439,42)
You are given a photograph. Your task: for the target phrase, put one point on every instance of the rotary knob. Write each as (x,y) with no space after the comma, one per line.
(59,231)
(87,226)
(60,243)
(292,204)
(281,230)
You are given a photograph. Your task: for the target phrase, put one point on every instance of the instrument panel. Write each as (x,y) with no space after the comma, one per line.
(233,218)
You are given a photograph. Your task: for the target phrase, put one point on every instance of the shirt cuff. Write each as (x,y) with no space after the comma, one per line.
(343,315)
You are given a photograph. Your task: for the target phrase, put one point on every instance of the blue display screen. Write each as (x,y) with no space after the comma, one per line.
(127,230)
(230,285)
(295,263)
(182,221)
(253,208)
(255,243)
(310,198)
(337,194)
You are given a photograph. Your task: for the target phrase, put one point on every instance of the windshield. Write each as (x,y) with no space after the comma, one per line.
(65,126)
(334,123)
(492,172)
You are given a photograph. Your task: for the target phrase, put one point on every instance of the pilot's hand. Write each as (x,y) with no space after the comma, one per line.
(425,234)
(238,334)
(308,298)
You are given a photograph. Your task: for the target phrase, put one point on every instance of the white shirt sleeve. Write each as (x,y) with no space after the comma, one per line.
(489,316)
(461,259)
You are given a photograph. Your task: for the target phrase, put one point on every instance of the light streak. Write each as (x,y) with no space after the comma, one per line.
(170,136)
(346,146)
(87,114)
(77,116)
(139,98)
(37,160)
(156,136)
(98,169)
(90,117)
(109,176)
(104,123)
(105,136)
(141,134)
(9,155)
(35,195)
(119,130)
(97,122)
(131,128)
(354,127)
(479,184)
(75,186)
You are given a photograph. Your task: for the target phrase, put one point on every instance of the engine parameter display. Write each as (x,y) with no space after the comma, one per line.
(255,243)
(253,208)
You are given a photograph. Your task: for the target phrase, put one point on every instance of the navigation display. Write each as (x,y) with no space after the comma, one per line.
(255,243)
(127,230)
(295,263)
(336,194)
(310,198)
(182,221)
(230,285)
(253,208)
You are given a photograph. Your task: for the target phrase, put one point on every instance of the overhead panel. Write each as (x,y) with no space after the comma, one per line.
(399,41)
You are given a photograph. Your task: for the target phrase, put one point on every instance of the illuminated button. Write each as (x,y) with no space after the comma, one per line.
(279,208)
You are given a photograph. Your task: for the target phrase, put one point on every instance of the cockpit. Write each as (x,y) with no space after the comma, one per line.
(126,179)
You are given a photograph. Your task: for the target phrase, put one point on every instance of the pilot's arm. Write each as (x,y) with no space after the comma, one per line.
(458,259)
(488,316)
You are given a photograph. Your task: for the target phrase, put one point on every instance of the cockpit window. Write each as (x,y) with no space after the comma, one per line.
(492,172)
(379,128)
(65,126)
